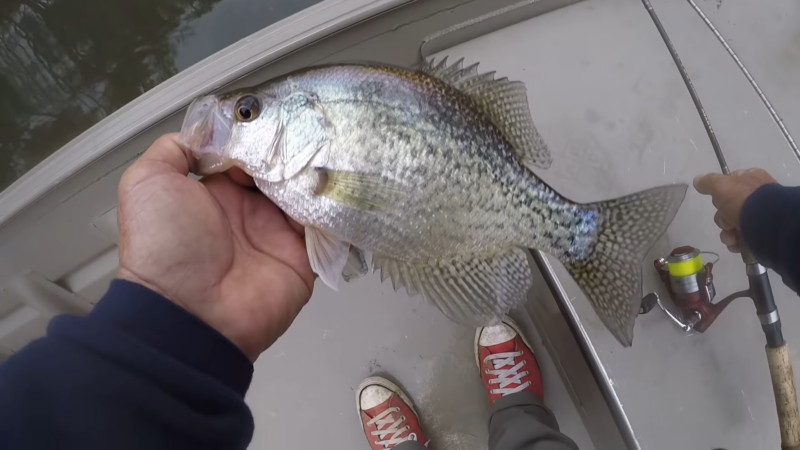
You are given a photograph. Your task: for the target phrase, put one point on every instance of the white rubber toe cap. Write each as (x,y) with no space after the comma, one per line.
(373,396)
(496,335)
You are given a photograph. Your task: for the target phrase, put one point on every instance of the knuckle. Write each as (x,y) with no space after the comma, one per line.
(163,140)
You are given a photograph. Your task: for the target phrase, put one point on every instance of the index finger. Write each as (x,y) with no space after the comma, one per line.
(708,184)
(240,177)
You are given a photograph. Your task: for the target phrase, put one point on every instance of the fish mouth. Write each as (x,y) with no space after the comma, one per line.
(206,132)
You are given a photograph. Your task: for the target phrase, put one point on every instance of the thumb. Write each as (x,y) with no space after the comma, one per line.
(710,183)
(166,154)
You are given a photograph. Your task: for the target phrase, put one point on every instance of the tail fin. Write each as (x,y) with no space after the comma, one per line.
(611,277)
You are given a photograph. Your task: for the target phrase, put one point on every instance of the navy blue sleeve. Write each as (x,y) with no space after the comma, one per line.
(138,372)
(770,226)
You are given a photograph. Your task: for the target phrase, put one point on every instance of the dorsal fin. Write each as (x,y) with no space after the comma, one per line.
(504,101)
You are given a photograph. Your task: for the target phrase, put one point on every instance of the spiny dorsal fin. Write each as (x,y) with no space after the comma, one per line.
(504,101)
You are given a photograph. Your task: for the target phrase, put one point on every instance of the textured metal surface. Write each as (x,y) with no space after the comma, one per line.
(712,136)
(767,104)
(581,365)
(610,90)
(607,99)
(174,94)
(340,337)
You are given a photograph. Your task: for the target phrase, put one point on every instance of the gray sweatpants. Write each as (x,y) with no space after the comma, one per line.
(518,422)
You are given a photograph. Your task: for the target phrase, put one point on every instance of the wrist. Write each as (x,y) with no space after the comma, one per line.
(127,275)
(233,327)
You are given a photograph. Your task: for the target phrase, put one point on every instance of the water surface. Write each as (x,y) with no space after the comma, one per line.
(67,64)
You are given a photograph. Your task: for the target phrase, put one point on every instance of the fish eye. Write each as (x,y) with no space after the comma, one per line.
(247,108)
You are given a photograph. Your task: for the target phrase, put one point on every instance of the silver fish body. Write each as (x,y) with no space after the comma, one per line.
(430,171)
(451,173)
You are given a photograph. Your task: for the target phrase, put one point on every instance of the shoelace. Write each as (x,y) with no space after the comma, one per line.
(506,377)
(394,428)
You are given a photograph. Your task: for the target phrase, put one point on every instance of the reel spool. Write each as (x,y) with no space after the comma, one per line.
(690,284)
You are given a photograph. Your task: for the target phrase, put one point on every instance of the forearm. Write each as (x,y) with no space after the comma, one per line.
(137,372)
(770,226)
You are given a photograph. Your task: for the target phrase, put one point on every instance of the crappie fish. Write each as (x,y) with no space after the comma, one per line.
(430,171)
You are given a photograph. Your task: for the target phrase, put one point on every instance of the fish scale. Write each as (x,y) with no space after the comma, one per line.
(432,171)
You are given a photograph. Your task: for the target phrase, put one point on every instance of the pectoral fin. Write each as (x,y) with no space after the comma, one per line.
(476,291)
(327,255)
(366,192)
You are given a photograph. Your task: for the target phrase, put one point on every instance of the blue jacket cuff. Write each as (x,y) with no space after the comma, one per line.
(165,326)
(770,220)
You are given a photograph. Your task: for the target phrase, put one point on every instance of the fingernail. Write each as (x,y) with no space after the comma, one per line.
(697,179)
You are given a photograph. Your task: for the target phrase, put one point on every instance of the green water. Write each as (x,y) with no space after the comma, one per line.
(67,64)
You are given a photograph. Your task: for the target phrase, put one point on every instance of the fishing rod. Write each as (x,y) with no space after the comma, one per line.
(690,284)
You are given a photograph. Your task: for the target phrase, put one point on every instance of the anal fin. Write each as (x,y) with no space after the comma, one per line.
(476,291)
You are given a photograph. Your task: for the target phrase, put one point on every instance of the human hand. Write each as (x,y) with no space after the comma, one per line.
(728,193)
(223,252)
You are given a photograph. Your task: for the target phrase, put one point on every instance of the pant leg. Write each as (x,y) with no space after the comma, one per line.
(522,422)
(410,445)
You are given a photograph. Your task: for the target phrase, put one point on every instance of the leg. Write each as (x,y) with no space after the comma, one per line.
(410,445)
(518,418)
(388,416)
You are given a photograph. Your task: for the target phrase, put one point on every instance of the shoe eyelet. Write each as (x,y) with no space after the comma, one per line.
(486,371)
(524,362)
(408,427)
(402,418)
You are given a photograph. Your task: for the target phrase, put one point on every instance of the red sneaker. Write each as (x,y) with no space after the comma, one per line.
(387,414)
(506,361)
